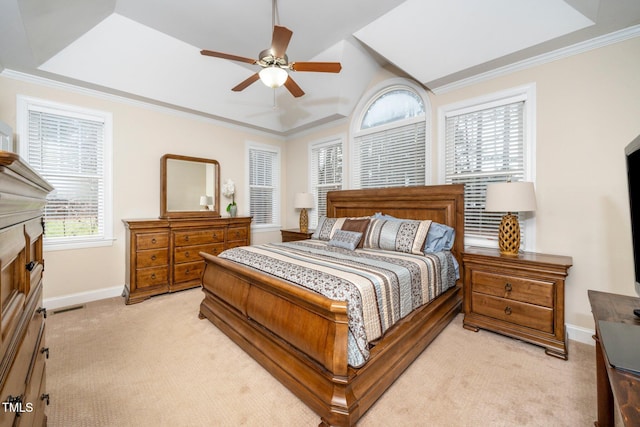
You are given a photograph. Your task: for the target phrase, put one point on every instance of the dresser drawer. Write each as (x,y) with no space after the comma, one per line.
(152,258)
(188,271)
(198,237)
(528,290)
(527,315)
(237,233)
(152,240)
(191,253)
(154,276)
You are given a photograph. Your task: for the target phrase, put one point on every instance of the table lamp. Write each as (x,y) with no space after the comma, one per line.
(205,201)
(510,197)
(303,201)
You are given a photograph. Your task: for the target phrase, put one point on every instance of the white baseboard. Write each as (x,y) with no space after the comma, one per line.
(82,297)
(580,334)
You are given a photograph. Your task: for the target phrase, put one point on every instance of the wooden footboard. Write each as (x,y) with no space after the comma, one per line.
(300,336)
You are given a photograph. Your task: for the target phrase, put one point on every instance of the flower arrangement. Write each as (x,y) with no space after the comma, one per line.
(229,191)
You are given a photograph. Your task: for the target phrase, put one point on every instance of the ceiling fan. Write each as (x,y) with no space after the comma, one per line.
(274,63)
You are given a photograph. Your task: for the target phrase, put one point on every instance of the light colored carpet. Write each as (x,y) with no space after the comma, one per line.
(157,364)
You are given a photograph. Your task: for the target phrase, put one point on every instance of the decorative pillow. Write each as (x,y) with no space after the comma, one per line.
(345,239)
(439,238)
(397,235)
(357,224)
(327,227)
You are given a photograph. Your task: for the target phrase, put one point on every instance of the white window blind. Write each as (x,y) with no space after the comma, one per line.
(391,157)
(482,147)
(68,150)
(326,175)
(390,143)
(264,179)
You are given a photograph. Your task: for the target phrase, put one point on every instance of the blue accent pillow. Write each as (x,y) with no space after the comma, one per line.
(345,239)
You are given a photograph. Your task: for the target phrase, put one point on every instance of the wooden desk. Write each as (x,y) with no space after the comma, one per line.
(611,382)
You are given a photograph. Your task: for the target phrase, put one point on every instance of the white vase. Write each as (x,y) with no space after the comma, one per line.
(233,211)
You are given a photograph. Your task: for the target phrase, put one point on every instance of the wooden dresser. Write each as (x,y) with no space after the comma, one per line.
(520,296)
(162,254)
(22,339)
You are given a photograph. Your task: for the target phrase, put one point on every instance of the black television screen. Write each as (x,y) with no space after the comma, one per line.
(632,152)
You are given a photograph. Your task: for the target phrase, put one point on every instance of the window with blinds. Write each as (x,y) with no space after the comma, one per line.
(326,175)
(264,181)
(483,146)
(390,148)
(68,147)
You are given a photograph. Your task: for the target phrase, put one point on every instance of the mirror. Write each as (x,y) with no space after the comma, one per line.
(190,187)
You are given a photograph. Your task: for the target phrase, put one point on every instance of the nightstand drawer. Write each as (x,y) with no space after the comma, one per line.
(528,315)
(531,291)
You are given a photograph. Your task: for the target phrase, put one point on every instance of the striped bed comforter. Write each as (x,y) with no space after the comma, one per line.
(380,287)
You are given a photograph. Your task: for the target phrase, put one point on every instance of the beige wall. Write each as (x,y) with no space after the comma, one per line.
(141,135)
(588,110)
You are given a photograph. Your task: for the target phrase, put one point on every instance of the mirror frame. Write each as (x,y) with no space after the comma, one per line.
(165,213)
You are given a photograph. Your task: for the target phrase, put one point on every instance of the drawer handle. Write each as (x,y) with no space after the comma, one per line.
(508,287)
(153,257)
(187,272)
(153,275)
(154,241)
(45,351)
(186,238)
(43,311)
(186,254)
(45,396)
(507,310)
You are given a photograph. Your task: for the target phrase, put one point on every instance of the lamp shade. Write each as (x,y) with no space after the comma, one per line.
(273,76)
(303,201)
(510,197)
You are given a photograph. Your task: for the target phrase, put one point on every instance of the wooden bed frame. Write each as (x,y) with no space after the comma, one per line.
(300,336)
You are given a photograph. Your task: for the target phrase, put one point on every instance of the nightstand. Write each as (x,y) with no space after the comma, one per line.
(519,296)
(294,234)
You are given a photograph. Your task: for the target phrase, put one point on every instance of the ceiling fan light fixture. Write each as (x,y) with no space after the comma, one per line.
(273,76)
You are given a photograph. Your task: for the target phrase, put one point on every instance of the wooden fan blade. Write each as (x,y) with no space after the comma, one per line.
(227,56)
(293,87)
(321,67)
(242,86)
(280,41)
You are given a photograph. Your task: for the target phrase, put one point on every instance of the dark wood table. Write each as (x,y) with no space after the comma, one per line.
(612,382)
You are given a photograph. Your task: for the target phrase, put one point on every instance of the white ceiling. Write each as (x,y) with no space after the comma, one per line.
(150,49)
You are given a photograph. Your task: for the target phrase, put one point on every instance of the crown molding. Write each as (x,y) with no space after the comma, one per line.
(595,43)
(168,109)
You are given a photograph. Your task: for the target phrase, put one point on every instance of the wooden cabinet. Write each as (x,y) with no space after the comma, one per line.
(520,296)
(23,350)
(294,234)
(163,254)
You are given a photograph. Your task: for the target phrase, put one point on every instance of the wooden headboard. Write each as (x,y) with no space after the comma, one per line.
(439,203)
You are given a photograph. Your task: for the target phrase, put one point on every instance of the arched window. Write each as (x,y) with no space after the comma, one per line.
(390,142)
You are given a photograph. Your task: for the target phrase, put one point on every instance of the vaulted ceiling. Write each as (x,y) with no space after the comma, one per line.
(150,49)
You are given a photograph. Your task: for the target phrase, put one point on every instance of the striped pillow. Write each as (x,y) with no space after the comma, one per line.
(327,227)
(397,235)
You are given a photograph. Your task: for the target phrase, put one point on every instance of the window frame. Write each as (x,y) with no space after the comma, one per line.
(337,140)
(26,103)
(526,93)
(277,178)
(389,85)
